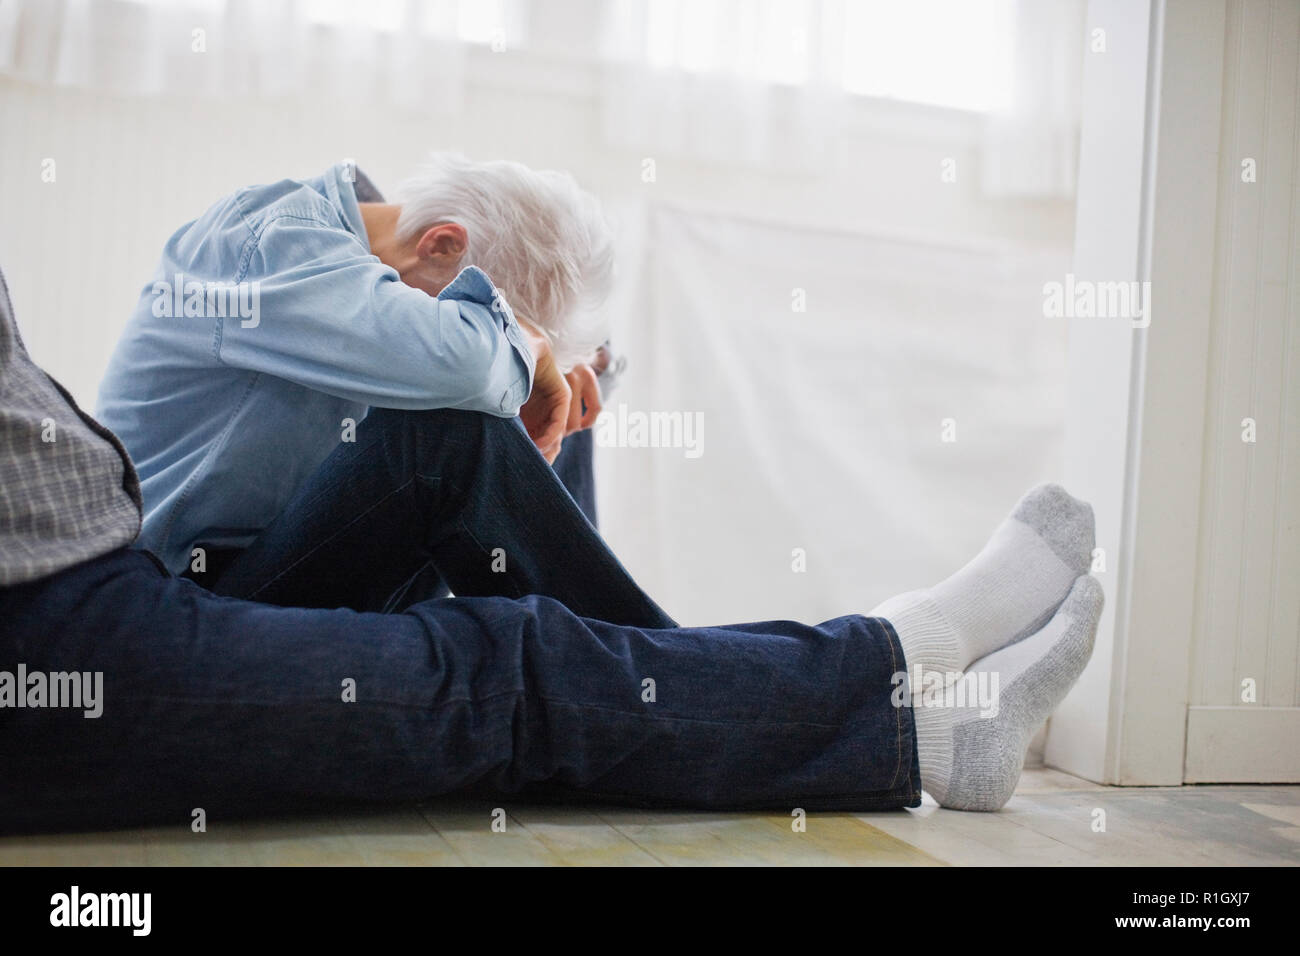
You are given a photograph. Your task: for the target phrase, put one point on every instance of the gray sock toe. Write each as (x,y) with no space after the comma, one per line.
(1011,589)
(971,759)
(1063,521)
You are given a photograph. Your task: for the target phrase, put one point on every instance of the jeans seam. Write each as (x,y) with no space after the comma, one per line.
(478,700)
(891,637)
(682,718)
(520,591)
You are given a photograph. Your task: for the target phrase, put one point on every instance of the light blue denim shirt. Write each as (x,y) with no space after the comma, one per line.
(266,325)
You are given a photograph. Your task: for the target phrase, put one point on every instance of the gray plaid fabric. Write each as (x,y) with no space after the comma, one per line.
(68,491)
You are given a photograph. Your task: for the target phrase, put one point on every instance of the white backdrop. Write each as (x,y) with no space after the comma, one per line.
(822,429)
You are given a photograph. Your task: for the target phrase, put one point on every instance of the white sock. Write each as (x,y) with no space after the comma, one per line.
(1009,590)
(970,758)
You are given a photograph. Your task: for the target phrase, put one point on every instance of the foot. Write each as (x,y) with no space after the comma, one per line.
(1008,591)
(971,756)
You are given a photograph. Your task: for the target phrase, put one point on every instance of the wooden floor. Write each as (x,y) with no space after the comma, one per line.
(1050,821)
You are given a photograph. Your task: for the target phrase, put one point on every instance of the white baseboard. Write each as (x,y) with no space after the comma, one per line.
(1242,745)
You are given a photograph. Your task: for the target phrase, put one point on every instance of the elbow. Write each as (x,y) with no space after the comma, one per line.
(504,398)
(497,379)
(486,371)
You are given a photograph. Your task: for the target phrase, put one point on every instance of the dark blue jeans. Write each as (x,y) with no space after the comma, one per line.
(427,497)
(575,467)
(239,708)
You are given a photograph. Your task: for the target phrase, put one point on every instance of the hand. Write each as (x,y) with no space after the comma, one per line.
(546,413)
(584,406)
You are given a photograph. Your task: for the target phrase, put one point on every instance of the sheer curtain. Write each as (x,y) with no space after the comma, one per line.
(409,54)
(820,431)
(747,83)
(1031,142)
(770,83)
(758,83)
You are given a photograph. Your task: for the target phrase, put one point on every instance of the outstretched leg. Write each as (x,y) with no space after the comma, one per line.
(236,707)
(1019,619)
(972,754)
(1006,592)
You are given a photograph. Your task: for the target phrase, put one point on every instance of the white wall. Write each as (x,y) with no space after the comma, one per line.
(1247,614)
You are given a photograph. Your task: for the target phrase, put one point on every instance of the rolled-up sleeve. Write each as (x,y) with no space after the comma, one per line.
(341,322)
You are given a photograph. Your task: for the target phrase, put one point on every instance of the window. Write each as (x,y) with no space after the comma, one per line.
(952,53)
(472,21)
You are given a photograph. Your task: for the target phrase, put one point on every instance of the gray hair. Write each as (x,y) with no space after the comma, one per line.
(542,239)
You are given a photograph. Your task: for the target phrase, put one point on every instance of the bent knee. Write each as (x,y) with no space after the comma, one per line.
(435,426)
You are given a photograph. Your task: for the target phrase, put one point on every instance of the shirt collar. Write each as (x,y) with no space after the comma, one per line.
(339,185)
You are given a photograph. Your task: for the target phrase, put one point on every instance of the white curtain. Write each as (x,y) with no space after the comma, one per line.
(1031,143)
(761,83)
(753,83)
(767,82)
(823,429)
(405,53)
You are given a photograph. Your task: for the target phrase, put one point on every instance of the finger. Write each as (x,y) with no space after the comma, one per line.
(549,447)
(573,421)
(545,426)
(553,440)
(585,405)
(553,433)
(548,443)
(590,392)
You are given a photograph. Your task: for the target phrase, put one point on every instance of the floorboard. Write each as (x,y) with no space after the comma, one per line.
(1050,821)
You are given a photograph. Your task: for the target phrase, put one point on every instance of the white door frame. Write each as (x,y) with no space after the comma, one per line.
(1135,418)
